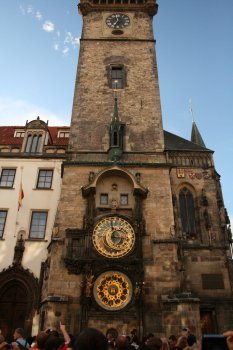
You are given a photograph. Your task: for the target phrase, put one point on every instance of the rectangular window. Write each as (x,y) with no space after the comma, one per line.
(38,224)
(124,199)
(3,214)
(63,134)
(19,133)
(117,77)
(104,199)
(7,178)
(45,178)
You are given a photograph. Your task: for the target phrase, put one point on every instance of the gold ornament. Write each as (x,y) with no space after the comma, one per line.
(113,237)
(113,290)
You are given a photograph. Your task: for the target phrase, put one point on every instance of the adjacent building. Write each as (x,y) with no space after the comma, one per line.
(30,183)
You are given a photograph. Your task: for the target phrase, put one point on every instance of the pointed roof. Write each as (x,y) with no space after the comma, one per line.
(196,136)
(177,143)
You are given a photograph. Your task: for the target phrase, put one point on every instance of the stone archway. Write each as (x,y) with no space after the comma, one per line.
(19,292)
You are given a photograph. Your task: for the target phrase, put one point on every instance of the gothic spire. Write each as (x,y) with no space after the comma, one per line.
(196,136)
(116,131)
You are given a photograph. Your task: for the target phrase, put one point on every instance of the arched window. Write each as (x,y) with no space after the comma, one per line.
(33,144)
(187,212)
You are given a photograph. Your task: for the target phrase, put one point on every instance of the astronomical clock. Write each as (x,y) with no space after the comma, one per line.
(108,252)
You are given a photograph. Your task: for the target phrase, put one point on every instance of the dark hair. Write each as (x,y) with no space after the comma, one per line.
(191,339)
(173,337)
(90,339)
(154,343)
(41,339)
(53,343)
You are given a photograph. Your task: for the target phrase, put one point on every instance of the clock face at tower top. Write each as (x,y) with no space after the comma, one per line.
(113,237)
(117,21)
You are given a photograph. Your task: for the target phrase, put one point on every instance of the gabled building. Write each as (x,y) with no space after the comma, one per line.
(30,182)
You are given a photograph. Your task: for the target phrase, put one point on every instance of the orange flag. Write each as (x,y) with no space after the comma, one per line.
(21,196)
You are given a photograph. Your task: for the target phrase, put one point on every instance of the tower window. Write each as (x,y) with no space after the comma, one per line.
(116,77)
(104,199)
(187,212)
(115,139)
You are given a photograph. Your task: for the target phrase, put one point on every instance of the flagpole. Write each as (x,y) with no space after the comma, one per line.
(20,197)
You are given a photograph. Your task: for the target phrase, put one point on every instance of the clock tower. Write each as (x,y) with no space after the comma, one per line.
(117,251)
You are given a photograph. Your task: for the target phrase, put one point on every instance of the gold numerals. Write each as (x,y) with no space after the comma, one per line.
(113,290)
(113,237)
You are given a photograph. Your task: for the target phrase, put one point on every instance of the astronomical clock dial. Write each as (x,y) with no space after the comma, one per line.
(117,21)
(112,290)
(113,237)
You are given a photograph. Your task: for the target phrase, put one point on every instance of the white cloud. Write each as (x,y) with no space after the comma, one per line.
(65,50)
(38,15)
(48,26)
(63,42)
(56,46)
(68,38)
(76,41)
(17,112)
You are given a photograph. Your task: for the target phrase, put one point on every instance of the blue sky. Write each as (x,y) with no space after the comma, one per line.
(39,54)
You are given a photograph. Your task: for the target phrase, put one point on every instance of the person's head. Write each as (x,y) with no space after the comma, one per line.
(122,343)
(148,337)
(154,343)
(18,333)
(172,340)
(191,339)
(90,339)
(53,343)
(41,339)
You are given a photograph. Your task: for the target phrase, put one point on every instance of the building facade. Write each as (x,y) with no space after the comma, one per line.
(30,182)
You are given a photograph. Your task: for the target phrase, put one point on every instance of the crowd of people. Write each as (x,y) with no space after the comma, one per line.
(93,339)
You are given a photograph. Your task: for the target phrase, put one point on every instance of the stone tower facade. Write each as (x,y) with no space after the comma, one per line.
(141,233)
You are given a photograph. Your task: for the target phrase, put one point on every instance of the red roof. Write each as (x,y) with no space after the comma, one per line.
(7,135)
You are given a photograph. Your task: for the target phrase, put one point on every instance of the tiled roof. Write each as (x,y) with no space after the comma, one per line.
(7,135)
(172,141)
(177,143)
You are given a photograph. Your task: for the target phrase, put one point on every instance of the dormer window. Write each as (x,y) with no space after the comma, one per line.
(19,133)
(33,144)
(63,134)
